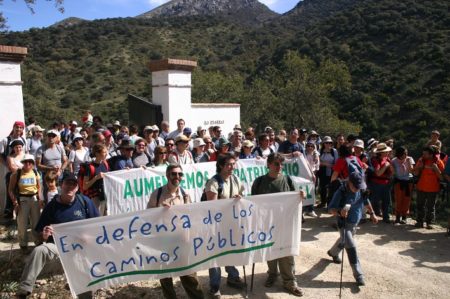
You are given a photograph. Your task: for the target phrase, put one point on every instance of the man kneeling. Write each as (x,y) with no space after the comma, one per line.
(67,207)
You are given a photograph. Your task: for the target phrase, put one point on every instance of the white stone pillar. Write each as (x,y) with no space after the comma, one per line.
(11,100)
(171,88)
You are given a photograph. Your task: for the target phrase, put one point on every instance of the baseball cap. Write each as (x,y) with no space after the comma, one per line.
(69,177)
(357,180)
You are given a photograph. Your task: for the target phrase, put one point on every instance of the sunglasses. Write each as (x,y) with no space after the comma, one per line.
(208,142)
(141,145)
(179,174)
(170,144)
(51,136)
(163,153)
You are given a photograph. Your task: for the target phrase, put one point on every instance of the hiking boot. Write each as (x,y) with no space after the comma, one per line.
(336,258)
(419,224)
(294,290)
(236,283)
(311,214)
(270,281)
(215,295)
(360,281)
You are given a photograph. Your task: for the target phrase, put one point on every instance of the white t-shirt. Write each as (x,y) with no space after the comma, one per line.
(77,157)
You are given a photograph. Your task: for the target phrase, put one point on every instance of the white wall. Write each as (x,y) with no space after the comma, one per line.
(176,86)
(224,115)
(11,110)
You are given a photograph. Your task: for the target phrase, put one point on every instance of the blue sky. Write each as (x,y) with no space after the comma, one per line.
(20,18)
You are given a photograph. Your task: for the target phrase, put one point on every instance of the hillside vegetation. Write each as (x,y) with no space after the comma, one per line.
(375,67)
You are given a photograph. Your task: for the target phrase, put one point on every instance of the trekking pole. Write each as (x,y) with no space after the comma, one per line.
(342,264)
(253,276)
(245,282)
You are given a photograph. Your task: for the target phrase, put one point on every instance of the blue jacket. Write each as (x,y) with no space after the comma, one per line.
(356,201)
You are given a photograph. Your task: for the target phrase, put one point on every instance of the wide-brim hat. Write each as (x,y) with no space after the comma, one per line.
(382,148)
(27,157)
(327,139)
(37,128)
(199,142)
(16,142)
(358,143)
(182,138)
(247,143)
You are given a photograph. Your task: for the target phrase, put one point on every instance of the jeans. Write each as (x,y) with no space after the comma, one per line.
(215,276)
(350,246)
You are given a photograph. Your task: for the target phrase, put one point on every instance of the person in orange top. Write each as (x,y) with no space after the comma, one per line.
(429,169)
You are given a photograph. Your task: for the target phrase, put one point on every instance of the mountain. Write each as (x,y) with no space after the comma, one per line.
(67,22)
(244,10)
(378,68)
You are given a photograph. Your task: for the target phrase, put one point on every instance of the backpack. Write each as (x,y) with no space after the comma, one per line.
(353,166)
(219,180)
(19,173)
(90,192)
(158,195)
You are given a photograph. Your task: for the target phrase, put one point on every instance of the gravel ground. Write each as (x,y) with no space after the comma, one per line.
(398,262)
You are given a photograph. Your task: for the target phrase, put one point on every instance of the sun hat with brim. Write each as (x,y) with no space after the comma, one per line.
(237,127)
(199,142)
(371,143)
(116,123)
(382,148)
(182,138)
(436,132)
(16,142)
(357,180)
(327,139)
(247,143)
(27,157)
(223,141)
(37,128)
(126,144)
(313,133)
(358,143)
(155,128)
(148,128)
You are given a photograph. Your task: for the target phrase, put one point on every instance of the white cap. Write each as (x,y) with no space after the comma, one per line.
(198,142)
(359,143)
(53,131)
(27,157)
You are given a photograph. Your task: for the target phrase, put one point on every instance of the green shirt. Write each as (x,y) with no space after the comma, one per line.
(266,184)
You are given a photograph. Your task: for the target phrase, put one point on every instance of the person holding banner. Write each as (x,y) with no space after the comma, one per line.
(224,185)
(166,196)
(273,182)
(67,207)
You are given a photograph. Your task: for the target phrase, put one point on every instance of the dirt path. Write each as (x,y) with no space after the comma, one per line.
(398,261)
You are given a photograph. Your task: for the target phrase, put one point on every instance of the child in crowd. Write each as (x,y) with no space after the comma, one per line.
(51,179)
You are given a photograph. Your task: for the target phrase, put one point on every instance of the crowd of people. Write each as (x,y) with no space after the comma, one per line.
(353,178)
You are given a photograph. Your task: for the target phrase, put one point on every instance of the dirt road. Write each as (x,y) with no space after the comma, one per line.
(398,261)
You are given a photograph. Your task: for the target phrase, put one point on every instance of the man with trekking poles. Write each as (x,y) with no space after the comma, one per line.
(348,206)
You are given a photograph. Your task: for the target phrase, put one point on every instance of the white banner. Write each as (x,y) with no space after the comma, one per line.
(167,242)
(129,190)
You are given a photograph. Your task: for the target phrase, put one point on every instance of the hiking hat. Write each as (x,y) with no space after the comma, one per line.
(27,157)
(247,143)
(54,132)
(327,139)
(382,148)
(16,142)
(359,143)
(223,141)
(199,142)
(182,138)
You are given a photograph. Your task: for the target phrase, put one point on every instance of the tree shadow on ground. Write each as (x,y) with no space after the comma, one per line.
(421,241)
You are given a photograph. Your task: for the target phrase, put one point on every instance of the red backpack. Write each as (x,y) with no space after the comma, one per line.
(90,192)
